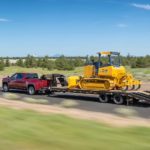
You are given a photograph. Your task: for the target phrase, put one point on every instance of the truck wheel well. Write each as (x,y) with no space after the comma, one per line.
(5,83)
(31,89)
(31,85)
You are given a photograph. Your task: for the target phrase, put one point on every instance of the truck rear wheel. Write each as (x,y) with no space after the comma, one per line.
(31,90)
(5,87)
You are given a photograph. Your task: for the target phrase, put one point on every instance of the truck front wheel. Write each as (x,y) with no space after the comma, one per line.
(5,87)
(31,90)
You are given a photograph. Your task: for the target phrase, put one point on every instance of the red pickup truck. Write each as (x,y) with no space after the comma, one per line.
(25,81)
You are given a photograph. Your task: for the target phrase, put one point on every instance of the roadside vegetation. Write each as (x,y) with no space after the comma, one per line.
(139,73)
(8,71)
(22,129)
(138,66)
(65,63)
(61,63)
(136,62)
(142,74)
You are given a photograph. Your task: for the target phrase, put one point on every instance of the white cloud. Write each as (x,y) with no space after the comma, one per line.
(141,6)
(122,25)
(4,20)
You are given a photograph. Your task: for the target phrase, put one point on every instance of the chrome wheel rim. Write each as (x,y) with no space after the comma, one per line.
(5,88)
(31,90)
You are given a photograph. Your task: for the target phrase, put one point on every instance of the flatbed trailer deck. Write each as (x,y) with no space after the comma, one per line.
(117,96)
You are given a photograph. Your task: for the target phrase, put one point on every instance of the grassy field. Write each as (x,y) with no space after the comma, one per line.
(27,130)
(13,69)
(139,73)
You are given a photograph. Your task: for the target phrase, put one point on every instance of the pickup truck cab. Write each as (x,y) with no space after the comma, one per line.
(29,82)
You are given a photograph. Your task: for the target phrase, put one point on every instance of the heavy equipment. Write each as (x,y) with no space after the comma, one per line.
(106,73)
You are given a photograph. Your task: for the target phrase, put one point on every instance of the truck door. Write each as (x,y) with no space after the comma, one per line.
(12,81)
(20,81)
(16,81)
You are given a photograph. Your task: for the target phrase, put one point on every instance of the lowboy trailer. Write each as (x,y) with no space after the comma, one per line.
(117,96)
(59,84)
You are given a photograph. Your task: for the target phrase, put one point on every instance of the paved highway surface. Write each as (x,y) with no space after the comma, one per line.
(89,103)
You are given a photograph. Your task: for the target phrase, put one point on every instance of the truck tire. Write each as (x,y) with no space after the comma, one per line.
(5,87)
(118,99)
(103,98)
(31,90)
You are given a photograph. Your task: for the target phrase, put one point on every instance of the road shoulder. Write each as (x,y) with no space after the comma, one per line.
(109,119)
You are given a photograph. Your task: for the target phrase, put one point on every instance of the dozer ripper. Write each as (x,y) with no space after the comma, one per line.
(106,73)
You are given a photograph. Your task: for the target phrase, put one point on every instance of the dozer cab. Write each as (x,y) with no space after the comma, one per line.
(106,73)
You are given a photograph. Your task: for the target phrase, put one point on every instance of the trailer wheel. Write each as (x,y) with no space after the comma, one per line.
(103,98)
(118,99)
(31,90)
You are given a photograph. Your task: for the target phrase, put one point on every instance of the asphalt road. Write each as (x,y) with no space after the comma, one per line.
(89,103)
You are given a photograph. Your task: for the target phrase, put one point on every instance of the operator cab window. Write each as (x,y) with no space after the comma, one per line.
(104,61)
(115,60)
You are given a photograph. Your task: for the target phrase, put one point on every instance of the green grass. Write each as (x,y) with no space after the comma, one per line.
(139,73)
(13,69)
(27,130)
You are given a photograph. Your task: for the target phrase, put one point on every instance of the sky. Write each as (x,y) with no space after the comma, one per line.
(74,27)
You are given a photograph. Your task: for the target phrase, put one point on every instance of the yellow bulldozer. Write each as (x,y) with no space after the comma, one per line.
(106,73)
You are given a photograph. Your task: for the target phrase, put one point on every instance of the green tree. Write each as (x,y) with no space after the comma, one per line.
(63,63)
(140,63)
(20,62)
(39,62)
(30,61)
(45,62)
(2,65)
(78,62)
(50,65)
(7,63)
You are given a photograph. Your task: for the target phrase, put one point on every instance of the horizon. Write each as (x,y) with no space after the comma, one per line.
(74,27)
(67,56)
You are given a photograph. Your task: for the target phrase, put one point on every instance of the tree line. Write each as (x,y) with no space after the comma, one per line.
(136,62)
(64,63)
(60,63)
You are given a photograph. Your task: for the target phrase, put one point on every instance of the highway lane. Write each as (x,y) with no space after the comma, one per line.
(88,103)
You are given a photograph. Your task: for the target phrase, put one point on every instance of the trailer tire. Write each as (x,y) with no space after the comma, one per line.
(118,99)
(103,98)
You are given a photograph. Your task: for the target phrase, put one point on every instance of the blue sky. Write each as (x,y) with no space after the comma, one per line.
(74,27)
